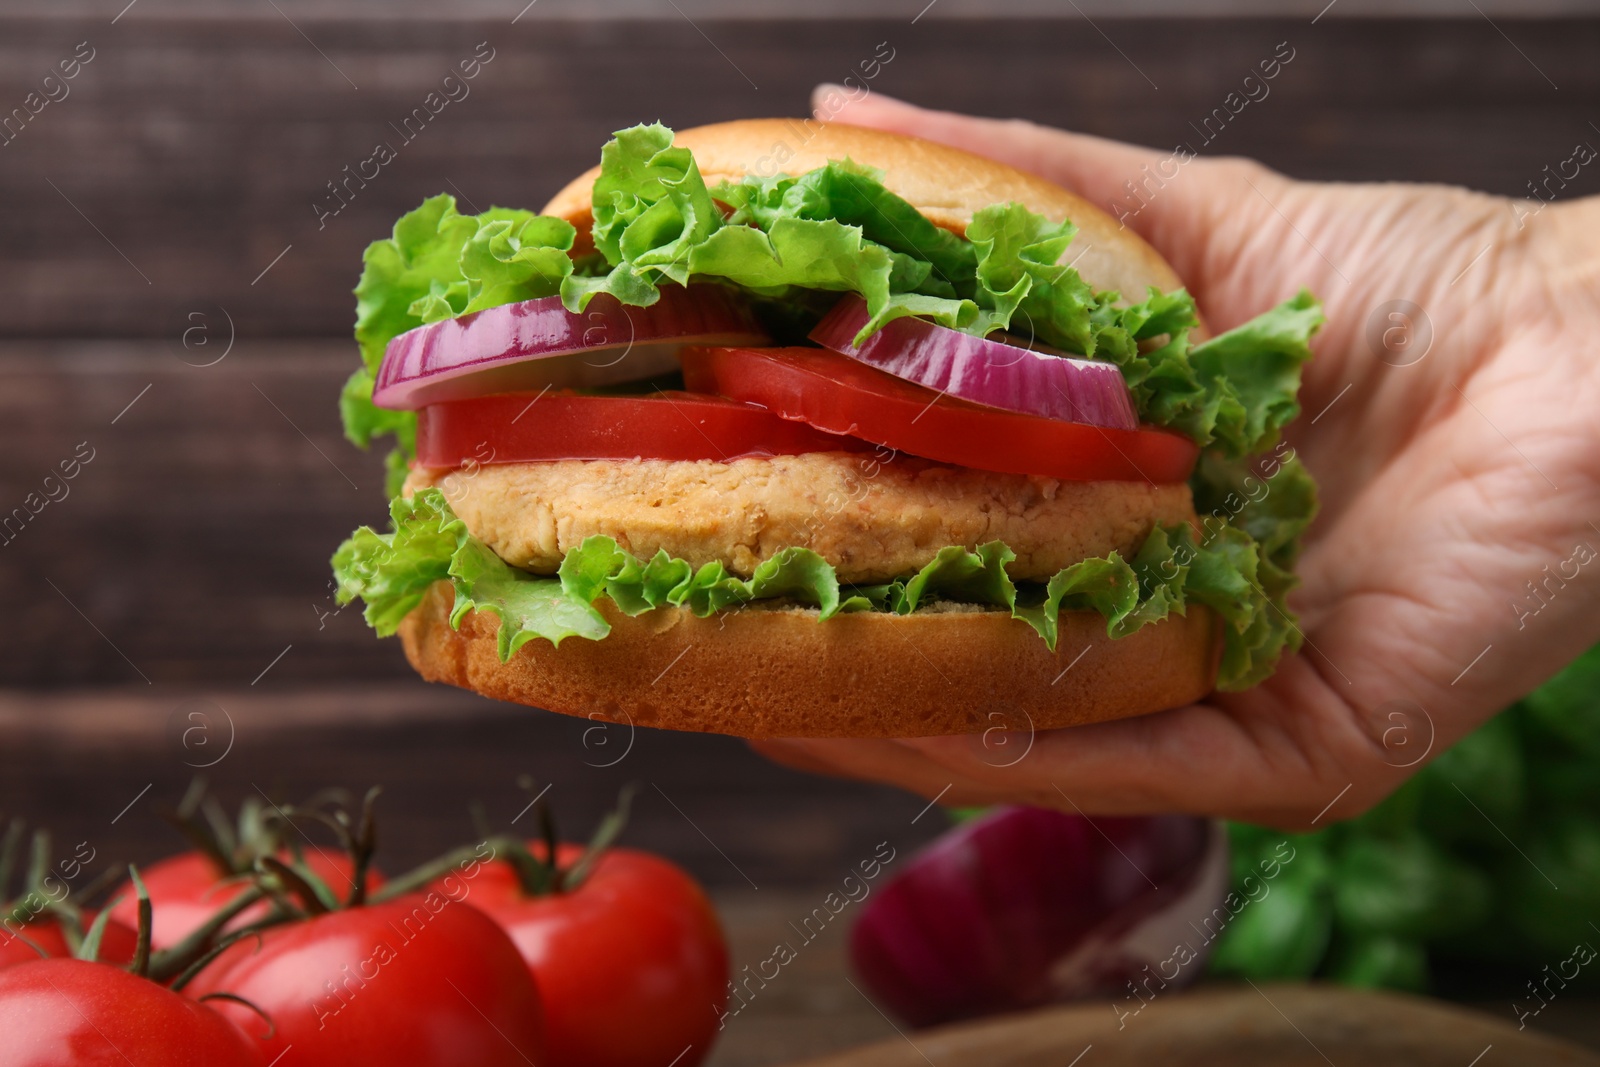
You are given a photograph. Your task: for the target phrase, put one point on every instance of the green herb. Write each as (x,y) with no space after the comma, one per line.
(1460,866)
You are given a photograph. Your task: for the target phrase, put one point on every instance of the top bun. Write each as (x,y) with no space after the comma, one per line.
(948,185)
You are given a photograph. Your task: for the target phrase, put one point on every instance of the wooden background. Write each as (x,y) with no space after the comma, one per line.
(188,155)
(172,190)
(198,146)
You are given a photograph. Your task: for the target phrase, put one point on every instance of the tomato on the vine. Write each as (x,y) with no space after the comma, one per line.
(187,889)
(631,962)
(70,1013)
(40,921)
(422,980)
(44,937)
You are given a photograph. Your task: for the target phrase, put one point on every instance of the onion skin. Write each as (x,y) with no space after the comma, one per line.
(539,343)
(982,371)
(1026,906)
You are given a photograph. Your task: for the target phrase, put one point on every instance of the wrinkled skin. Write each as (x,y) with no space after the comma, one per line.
(1448,483)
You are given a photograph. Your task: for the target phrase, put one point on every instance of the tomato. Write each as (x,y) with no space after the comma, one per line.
(187,889)
(69,1013)
(632,964)
(424,980)
(117,942)
(840,395)
(527,427)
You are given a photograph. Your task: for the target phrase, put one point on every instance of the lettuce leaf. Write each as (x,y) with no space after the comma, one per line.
(513,256)
(1018,275)
(438,264)
(529,607)
(650,204)
(1108,586)
(364,422)
(421,258)
(655,221)
(854,195)
(391,573)
(1251,378)
(833,229)
(977,577)
(838,228)
(1233,392)
(1252,516)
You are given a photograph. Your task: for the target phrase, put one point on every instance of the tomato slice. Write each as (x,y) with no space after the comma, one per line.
(529,427)
(843,396)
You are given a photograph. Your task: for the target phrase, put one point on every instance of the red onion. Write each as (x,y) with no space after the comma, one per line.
(983,371)
(1025,906)
(538,343)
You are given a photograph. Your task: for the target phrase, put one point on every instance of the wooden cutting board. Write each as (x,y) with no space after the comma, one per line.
(1266,1026)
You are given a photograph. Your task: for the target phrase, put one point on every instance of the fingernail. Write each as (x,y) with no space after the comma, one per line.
(828,96)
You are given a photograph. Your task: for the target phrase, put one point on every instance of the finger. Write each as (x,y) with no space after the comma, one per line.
(874,760)
(864,758)
(1287,754)
(1170,200)
(791,755)
(1279,754)
(1094,166)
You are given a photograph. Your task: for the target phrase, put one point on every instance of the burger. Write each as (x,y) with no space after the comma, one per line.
(782,429)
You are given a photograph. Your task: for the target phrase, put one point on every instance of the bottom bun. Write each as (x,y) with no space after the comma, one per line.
(779,672)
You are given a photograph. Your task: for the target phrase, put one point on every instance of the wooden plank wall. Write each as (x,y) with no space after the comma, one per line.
(185,561)
(199,147)
(186,155)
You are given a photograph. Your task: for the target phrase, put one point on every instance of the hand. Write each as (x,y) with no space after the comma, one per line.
(1454,472)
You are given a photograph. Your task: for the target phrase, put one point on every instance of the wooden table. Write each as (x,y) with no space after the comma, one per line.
(769,843)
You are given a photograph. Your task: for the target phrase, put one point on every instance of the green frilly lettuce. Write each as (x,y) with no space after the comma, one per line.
(838,229)
(1226,568)
(436,265)
(832,229)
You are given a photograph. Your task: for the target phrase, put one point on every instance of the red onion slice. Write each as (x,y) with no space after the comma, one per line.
(538,343)
(985,372)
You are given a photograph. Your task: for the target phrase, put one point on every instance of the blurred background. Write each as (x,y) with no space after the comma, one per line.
(175,285)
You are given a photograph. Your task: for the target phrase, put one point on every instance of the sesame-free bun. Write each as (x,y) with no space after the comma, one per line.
(779,672)
(769,670)
(948,185)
